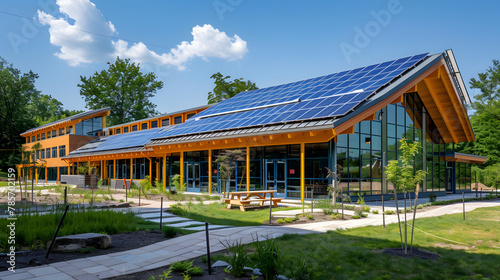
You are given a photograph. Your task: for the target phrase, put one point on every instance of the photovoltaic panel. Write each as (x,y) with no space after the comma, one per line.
(326,96)
(122,141)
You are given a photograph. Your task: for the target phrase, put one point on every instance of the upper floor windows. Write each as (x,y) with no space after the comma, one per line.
(178,120)
(154,124)
(89,127)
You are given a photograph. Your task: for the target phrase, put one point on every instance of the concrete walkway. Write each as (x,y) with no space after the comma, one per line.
(193,245)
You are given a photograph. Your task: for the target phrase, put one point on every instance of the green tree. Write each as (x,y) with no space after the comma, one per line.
(227,165)
(16,92)
(486,119)
(124,88)
(45,109)
(404,177)
(225,89)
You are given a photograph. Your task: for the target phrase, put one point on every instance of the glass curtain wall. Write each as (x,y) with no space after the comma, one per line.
(360,155)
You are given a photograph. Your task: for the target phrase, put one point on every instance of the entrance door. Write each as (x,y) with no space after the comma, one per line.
(276,176)
(449,180)
(193,176)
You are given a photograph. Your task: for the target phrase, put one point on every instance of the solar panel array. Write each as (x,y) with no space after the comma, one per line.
(326,96)
(121,141)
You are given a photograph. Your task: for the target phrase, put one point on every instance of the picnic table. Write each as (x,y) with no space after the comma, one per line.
(244,198)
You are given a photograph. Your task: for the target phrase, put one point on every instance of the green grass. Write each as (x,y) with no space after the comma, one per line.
(356,253)
(217,213)
(34,231)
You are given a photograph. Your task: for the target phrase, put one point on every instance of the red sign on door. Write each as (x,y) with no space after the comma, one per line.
(292,171)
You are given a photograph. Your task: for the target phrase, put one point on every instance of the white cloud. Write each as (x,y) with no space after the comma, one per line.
(78,47)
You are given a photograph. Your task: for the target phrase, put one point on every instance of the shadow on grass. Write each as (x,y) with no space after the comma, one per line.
(340,255)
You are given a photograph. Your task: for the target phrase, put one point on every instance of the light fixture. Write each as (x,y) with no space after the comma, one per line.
(380,115)
(368,140)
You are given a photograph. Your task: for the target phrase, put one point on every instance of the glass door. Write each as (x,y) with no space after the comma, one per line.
(192,176)
(449,180)
(276,176)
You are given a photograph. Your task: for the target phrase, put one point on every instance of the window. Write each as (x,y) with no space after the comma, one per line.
(42,154)
(54,152)
(33,138)
(38,154)
(62,151)
(38,137)
(110,132)
(69,130)
(125,129)
(118,131)
(134,128)
(27,139)
(43,136)
(48,135)
(144,126)
(61,131)
(165,122)
(47,152)
(54,133)
(190,115)
(154,124)
(178,120)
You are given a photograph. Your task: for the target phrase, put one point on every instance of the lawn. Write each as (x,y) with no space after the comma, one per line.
(218,214)
(356,253)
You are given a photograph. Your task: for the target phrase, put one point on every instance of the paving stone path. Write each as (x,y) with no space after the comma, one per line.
(194,245)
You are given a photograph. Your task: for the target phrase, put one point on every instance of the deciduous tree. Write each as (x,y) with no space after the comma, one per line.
(225,89)
(124,88)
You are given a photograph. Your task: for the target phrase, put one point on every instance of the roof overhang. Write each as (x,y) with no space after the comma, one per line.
(465,158)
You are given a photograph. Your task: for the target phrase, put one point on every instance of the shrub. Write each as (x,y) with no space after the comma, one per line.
(365,208)
(169,232)
(389,212)
(268,255)
(289,220)
(432,197)
(310,217)
(420,206)
(336,216)
(375,211)
(181,266)
(349,207)
(280,221)
(238,258)
(355,217)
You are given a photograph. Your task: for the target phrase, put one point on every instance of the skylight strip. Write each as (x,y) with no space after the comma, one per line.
(248,109)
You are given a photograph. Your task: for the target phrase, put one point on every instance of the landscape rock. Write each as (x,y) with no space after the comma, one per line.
(340,228)
(81,241)
(281,277)
(257,271)
(248,269)
(220,264)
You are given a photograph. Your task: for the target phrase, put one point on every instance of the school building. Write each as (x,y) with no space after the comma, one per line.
(349,122)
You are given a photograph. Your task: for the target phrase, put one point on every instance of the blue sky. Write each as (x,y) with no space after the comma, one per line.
(267,42)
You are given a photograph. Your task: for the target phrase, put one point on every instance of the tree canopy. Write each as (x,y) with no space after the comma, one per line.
(225,89)
(16,92)
(45,109)
(124,88)
(486,119)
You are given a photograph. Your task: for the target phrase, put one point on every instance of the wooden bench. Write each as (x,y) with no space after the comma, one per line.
(244,198)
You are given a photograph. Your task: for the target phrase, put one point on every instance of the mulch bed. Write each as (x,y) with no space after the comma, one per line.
(120,242)
(415,253)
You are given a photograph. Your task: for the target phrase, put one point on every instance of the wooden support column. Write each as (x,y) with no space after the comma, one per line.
(165,171)
(90,169)
(302,170)
(209,171)
(131,170)
(150,169)
(58,174)
(182,170)
(36,176)
(248,169)
(45,174)
(114,169)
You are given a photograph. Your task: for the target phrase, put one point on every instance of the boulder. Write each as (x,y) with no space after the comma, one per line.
(220,264)
(81,241)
